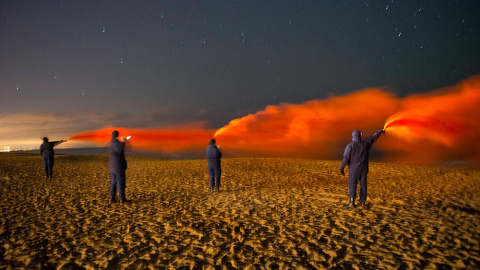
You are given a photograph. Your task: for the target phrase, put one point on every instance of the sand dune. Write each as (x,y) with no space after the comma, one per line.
(270,213)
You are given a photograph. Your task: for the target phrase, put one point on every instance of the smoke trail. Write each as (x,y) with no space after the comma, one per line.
(152,139)
(318,128)
(444,125)
(438,126)
(419,128)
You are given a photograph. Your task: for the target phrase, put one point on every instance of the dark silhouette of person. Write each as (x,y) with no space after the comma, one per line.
(356,156)
(214,165)
(116,167)
(47,153)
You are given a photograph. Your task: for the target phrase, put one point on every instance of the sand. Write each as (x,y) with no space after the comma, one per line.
(269,213)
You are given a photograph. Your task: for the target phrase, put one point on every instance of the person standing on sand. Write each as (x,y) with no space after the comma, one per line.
(356,157)
(47,153)
(116,167)
(214,167)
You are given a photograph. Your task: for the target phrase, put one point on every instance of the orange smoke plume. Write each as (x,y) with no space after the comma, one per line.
(439,126)
(151,139)
(419,129)
(317,128)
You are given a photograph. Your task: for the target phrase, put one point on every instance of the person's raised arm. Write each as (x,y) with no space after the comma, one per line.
(375,136)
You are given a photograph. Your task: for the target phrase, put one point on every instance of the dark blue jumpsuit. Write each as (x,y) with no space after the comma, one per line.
(356,157)
(47,153)
(116,167)
(214,167)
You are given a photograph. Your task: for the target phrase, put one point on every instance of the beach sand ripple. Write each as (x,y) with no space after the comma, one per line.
(269,214)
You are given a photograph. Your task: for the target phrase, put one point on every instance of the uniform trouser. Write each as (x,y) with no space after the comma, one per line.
(214,171)
(352,184)
(117,182)
(48,165)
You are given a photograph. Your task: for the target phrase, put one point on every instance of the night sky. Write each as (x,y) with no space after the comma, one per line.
(71,66)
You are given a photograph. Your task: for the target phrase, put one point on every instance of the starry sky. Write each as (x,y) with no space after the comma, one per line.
(71,66)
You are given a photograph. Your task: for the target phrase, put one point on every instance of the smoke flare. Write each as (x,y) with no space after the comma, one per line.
(438,126)
(315,129)
(419,129)
(152,139)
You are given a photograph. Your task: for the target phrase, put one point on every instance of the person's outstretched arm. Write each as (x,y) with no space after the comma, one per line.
(55,143)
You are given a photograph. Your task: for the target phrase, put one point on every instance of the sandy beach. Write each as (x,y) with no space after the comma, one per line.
(269,214)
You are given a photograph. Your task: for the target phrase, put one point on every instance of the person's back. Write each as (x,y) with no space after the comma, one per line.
(116,167)
(213,153)
(214,166)
(359,155)
(47,153)
(46,149)
(356,156)
(117,161)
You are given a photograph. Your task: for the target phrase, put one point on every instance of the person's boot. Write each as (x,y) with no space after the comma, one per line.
(113,200)
(362,203)
(125,201)
(351,204)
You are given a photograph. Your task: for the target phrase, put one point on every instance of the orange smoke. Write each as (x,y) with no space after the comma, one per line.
(439,126)
(419,128)
(318,128)
(152,139)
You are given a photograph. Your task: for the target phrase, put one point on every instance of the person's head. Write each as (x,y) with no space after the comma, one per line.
(211,141)
(114,134)
(45,139)
(356,134)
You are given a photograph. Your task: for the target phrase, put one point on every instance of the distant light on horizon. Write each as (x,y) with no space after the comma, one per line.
(31,145)
(6,149)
